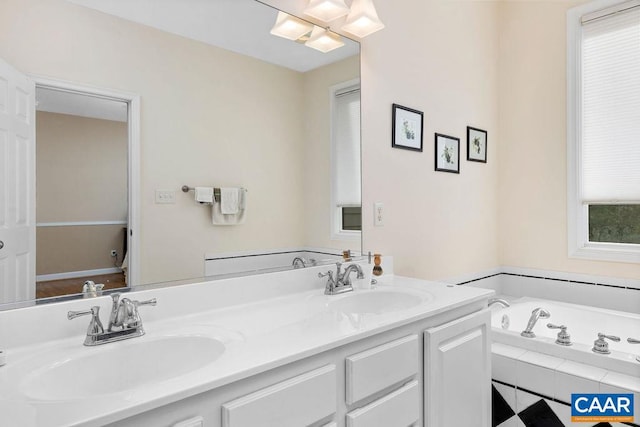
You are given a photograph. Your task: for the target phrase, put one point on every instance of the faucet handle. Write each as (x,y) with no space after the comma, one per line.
(600,346)
(93,311)
(115,297)
(328,273)
(552,326)
(151,301)
(601,336)
(563,337)
(95,326)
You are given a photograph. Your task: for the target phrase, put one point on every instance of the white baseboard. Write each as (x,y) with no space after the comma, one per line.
(74,274)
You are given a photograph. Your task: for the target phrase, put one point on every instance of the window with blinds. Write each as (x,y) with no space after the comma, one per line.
(604,69)
(346,159)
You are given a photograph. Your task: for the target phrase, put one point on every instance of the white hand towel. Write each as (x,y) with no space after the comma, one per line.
(204,194)
(229,200)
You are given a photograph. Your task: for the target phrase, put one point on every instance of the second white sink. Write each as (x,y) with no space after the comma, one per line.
(378,301)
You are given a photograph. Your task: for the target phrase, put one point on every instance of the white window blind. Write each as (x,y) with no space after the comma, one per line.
(610,143)
(347,147)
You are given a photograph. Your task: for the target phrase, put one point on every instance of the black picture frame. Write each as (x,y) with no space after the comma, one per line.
(447,153)
(477,140)
(407,127)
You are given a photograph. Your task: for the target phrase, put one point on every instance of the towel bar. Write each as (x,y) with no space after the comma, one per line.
(216,191)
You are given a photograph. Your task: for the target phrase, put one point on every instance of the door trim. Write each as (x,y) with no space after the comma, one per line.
(133,100)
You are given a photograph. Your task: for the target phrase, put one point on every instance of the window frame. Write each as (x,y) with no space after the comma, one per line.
(579,245)
(337,233)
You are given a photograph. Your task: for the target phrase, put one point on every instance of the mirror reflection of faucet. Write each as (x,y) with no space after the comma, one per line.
(90,289)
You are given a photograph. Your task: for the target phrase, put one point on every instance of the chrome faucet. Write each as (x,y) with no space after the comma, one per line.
(342,281)
(538,313)
(298,262)
(500,301)
(124,316)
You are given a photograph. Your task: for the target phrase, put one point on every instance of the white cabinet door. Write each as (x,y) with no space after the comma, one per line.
(17,185)
(300,401)
(457,385)
(380,367)
(400,408)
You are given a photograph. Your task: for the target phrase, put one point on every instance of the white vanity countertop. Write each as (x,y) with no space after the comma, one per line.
(258,336)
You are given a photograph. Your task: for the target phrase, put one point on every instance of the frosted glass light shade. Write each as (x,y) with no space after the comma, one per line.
(326,10)
(324,40)
(363,19)
(290,27)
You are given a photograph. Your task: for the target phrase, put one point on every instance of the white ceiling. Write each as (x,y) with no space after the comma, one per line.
(241,26)
(62,102)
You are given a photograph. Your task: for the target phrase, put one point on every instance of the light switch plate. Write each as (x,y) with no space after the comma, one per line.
(378,214)
(165,197)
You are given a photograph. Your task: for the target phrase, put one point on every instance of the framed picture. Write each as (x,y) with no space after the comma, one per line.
(407,127)
(476,145)
(447,153)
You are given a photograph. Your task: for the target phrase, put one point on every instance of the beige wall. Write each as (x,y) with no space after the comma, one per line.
(317,131)
(81,175)
(441,58)
(81,166)
(78,248)
(533,156)
(202,124)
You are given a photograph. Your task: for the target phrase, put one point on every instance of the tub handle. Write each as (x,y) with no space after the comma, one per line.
(600,346)
(563,337)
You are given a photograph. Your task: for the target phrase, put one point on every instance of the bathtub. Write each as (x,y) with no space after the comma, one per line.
(583,324)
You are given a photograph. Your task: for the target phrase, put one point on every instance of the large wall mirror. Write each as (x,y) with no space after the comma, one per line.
(223,103)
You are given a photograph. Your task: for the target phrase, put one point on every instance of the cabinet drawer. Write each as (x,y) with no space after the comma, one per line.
(380,367)
(397,409)
(296,402)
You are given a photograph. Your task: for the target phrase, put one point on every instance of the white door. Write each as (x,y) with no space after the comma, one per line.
(17,185)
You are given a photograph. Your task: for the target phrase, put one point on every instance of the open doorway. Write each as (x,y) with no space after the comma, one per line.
(83,186)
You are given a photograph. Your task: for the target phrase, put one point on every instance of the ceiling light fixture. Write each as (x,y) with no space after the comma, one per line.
(290,27)
(324,40)
(326,10)
(363,19)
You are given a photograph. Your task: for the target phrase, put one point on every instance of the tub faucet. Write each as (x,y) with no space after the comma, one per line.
(500,301)
(538,313)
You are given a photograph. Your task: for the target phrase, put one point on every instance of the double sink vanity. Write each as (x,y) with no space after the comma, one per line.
(264,350)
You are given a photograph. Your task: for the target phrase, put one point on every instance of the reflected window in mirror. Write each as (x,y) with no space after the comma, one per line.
(345,145)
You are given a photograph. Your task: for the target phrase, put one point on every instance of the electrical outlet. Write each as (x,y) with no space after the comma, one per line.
(114,253)
(378,214)
(165,197)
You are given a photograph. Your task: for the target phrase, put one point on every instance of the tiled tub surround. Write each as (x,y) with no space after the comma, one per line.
(535,377)
(267,322)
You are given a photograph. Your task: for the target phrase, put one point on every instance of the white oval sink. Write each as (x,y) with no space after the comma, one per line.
(122,366)
(378,301)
